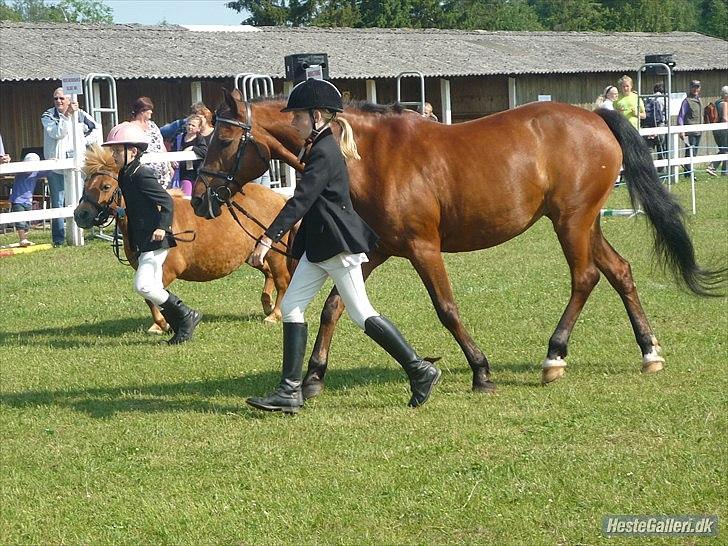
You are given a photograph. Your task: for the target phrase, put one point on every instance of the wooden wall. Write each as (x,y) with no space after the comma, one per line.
(22,103)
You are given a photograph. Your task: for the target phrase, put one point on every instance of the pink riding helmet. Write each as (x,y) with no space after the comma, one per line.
(127,133)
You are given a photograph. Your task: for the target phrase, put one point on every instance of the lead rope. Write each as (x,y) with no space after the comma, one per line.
(232,205)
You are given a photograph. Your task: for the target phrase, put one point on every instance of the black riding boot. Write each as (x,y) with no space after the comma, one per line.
(423,375)
(287,397)
(181,318)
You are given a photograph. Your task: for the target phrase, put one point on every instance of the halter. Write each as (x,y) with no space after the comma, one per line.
(104,212)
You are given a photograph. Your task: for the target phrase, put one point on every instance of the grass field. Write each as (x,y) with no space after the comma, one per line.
(109,436)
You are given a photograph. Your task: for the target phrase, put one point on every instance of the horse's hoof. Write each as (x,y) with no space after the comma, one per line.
(312,389)
(653,366)
(485,387)
(549,375)
(157,330)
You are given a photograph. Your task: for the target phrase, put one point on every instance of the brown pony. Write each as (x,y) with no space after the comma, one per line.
(428,188)
(213,249)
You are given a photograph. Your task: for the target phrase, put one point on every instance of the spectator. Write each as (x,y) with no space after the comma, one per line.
(428,112)
(141,116)
(656,116)
(691,113)
(177,127)
(4,158)
(607,98)
(190,140)
(21,197)
(629,103)
(721,136)
(58,144)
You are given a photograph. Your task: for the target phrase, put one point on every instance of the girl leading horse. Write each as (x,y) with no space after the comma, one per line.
(428,188)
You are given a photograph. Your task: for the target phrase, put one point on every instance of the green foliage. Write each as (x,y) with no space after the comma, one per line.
(69,11)
(706,16)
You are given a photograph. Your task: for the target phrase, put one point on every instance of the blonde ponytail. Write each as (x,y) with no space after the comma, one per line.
(346,141)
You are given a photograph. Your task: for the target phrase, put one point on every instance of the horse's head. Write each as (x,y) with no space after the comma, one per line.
(101,191)
(234,157)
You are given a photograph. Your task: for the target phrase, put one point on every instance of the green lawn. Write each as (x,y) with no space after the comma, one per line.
(109,436)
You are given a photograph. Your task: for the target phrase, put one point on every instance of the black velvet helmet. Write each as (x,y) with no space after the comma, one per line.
(312,94)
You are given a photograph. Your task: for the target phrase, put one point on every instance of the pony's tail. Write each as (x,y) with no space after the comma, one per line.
(346,141)
(672,243)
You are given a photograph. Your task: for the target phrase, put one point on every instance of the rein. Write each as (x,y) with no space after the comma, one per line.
(232,205)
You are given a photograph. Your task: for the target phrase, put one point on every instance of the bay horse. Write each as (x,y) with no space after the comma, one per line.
(428,188)
(212,250)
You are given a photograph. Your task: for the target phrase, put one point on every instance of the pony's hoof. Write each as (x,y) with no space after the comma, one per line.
(271,319)
(484,387)
(552,369)
(653,366)
(157,330)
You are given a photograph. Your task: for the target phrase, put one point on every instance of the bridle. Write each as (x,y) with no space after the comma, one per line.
(223,194)
(104,211)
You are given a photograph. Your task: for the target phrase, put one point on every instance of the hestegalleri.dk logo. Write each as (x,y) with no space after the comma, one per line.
(654,525)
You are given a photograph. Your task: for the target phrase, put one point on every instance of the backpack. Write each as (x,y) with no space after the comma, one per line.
(710,114)
(655,113)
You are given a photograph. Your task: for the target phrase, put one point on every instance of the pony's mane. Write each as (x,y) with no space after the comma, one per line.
(98,159)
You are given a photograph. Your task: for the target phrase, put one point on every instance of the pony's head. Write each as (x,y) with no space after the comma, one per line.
(101,191)
(234,157)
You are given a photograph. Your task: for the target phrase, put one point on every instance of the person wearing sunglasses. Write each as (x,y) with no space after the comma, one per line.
(58,144)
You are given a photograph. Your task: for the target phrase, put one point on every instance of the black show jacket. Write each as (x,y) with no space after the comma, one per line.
(330,224)
(148,207)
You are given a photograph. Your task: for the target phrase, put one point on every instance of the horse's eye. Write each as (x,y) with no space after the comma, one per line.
(106,187)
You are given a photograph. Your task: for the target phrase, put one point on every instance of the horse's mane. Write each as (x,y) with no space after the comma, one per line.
(98,159)
(365,106)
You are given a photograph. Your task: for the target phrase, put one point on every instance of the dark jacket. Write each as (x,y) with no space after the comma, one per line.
(330,224)
(148,207)
(188,169)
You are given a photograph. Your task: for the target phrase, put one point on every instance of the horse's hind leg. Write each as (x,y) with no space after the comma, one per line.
(160,325)
(266,296)
(430,267)
(313,383)
(279,277)
(619,273)
(574,236)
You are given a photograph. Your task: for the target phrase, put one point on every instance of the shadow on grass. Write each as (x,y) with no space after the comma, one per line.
(68,337)
(200,396)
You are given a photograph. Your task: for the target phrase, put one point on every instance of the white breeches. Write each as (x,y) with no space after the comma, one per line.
(345,271)
(148,279)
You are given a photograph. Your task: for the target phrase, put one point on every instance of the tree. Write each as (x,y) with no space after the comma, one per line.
(70,11)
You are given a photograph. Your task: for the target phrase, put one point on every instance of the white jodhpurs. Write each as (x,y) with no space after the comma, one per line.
(345,271)
(148,279)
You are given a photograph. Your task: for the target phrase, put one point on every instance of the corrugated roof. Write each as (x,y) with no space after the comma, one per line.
(50,50)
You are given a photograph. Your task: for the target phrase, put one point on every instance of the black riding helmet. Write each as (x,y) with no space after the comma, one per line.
(314,94)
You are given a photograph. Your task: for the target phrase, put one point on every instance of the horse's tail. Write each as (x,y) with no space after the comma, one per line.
(672,243)
(347,143)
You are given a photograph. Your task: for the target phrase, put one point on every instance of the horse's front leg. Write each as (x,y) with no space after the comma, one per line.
(313,383)
(430,267)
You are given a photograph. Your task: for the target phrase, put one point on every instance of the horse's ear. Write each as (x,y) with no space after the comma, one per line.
(237,95)
(229,100)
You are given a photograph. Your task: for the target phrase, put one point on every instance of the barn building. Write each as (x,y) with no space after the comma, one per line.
(467,74)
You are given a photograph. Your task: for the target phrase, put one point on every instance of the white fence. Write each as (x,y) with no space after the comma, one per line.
(74,183)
